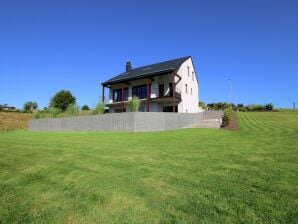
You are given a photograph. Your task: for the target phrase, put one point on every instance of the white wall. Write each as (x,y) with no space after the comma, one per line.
(190,100)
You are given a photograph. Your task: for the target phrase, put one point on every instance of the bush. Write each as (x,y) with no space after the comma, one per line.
(85,107)
(54,112)
(38,115)
(73,109)
(62,100)
(99,109)
(255,107)
(227,116)
(269,106)
(242,109)
(217,106)
(134,104)
(202,105)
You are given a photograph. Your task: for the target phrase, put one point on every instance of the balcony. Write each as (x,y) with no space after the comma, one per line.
(156,95)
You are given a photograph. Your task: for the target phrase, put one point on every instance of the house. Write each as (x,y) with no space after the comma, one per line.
(5,107)
(169,86)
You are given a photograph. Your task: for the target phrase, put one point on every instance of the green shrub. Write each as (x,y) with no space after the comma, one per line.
(269,106)
(38,115)
(99,109)
(255,107)
(54,112)
(134,104)
(242,109)
(217,106)
(73,109)
(85,107)
(202,105)
(227,116)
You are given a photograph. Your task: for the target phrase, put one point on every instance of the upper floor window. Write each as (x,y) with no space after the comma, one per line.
(117,95)
(188,71)
(186,88)
(191,91)
(193,76)
(140,91)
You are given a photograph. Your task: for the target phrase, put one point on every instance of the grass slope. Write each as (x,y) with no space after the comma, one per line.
(182,176)
(13,120)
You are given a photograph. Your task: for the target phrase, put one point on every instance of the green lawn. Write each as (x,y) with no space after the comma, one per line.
(181,176)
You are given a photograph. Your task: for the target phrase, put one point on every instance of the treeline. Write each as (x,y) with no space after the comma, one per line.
(237,107)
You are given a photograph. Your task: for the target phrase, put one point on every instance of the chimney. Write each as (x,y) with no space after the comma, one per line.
(128,66)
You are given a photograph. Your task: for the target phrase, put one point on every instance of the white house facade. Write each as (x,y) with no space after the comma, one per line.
(170,86)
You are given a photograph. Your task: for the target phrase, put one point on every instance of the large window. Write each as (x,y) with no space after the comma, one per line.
(140,91)
(117,95)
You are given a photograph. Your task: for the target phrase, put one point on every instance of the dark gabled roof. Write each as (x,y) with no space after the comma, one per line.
(148,71)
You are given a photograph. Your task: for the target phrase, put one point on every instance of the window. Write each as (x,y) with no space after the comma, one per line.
(188,71)
(161,90)
(140,91)
(191,91)
(186,88)
(193,76)
(117,95)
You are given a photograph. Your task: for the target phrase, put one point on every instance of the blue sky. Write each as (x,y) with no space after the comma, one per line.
(49,45)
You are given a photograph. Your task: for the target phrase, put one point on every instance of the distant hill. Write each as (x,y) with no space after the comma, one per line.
(10,121)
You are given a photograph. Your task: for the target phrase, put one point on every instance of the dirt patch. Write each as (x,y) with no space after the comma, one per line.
(233,125)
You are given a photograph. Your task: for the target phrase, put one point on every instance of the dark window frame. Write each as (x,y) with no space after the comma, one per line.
(118,97)
(141,91)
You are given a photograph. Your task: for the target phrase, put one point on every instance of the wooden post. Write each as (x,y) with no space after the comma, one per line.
(148,94)
(122,97)
(103,94)
(174,95)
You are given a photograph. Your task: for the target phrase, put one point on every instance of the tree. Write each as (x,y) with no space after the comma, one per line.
(62,100)
(29,106)
(202,105)
(85,107)
(269,106)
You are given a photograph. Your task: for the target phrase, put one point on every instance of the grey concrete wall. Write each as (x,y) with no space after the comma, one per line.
(212,114)
(134,122)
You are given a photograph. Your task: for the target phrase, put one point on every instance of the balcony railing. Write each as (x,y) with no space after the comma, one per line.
(155,93)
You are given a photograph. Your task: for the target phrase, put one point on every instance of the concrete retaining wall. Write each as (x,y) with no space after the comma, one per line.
(212,114)
(134,122)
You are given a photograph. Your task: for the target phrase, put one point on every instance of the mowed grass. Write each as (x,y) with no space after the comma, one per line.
(181,176)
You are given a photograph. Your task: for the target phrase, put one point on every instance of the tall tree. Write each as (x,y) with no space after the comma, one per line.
(29,106)
(62,100)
